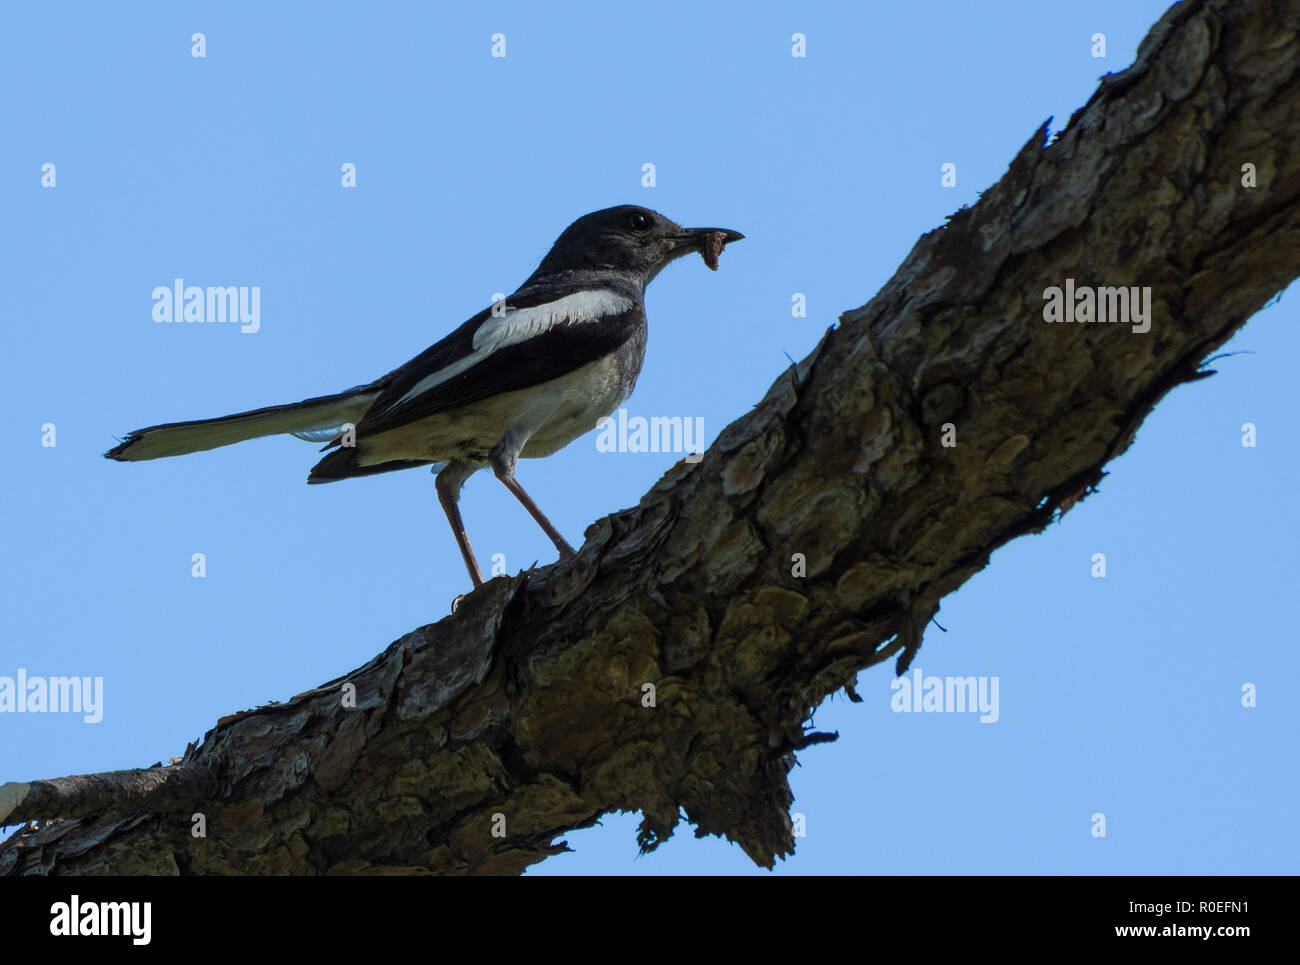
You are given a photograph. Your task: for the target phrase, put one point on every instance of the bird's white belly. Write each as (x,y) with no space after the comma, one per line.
(550,416)
(575,402)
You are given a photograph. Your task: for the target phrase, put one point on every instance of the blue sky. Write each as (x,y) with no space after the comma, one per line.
(1120,696)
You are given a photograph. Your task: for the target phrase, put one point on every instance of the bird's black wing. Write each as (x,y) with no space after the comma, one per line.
(520,349)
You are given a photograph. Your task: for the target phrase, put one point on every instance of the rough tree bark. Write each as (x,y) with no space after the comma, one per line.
(527,702)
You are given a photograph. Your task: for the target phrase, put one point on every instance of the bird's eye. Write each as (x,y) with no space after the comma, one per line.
(639,221)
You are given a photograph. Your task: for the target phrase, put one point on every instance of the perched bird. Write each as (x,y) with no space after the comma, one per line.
(522,378)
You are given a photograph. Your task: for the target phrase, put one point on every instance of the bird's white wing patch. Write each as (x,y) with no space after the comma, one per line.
(518,325)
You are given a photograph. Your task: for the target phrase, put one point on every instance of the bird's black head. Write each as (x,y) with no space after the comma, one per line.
(631,240)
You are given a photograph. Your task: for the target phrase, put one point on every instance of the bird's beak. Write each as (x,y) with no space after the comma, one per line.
(695,237)
(709,242)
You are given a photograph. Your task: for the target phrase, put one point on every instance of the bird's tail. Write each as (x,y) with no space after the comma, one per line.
(312,418)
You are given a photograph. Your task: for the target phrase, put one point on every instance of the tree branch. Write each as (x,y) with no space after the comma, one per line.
(816,537)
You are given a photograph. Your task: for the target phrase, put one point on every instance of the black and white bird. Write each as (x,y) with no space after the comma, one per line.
(521,379)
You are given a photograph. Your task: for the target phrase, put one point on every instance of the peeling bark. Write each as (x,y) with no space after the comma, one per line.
(528,701)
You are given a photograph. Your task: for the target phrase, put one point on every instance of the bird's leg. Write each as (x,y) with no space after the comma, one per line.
(513,485)
(503,464)
(462,540)
(448,483)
